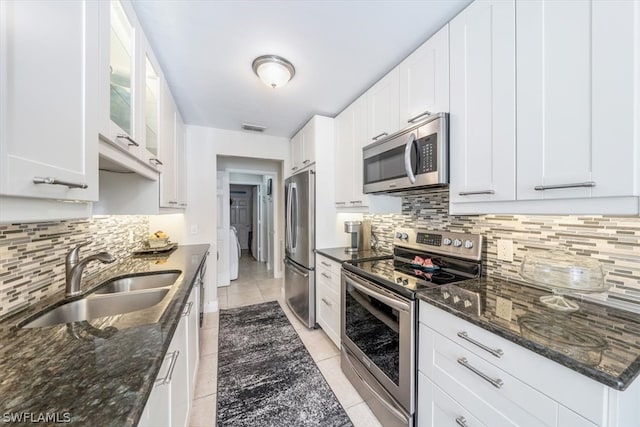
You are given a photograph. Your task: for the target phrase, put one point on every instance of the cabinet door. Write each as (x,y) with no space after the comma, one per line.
(482,142)
(344,157)
(576,89)
(359,140)
(436,408)
(157,411)
(180,398)
(424,79)
(309,144)
(194,336)
(150,107)
(48,99)
(168,188)
(296,152)
(181,162)
(383,103)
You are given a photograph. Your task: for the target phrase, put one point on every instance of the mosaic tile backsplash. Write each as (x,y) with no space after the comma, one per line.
(32,255)
(614,241)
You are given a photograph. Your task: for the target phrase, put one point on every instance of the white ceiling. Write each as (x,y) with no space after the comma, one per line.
(339,49)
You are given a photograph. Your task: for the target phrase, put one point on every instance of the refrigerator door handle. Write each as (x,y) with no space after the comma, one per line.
(294,217)
(295,268)
(288,218)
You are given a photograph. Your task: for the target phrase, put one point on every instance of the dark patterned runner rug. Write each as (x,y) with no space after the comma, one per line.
(266,376)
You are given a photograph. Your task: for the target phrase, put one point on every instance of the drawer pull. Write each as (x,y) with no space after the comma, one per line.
(559,186)
(325,275)
(326,264)
(172,365)
(324,300)
(497,383)
(461,421)
(187,310)
(497,352)
(54,181)
(474,193)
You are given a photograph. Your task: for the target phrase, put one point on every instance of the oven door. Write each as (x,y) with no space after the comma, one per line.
(378,329)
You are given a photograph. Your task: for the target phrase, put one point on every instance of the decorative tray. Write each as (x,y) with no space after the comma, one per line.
(148,250)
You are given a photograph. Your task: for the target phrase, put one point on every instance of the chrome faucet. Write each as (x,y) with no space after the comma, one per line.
(74,267)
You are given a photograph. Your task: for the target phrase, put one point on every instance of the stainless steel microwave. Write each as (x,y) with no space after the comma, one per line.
(415,157)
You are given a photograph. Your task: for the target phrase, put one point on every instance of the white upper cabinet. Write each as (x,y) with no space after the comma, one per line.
(483,114)
(181,162)
(424,79)
(303,147)
(48,102)
(129,90)
(168,183)
(578,129)
(383,104)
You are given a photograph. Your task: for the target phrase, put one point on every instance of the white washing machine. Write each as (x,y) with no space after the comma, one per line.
(234,253)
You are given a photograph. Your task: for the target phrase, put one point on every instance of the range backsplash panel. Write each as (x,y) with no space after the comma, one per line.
(32,255)
(614,241)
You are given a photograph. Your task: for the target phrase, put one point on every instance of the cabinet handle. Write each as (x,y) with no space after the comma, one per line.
(414,119)
(341,203)
(54,181)
(305,162)
(497,383)
(461,421)
(326,264)
(559,186)
(128,138)
(375,138)
(473,193)
(173,203)
(355,201)
(156,161)
(187,310)
(294,168)
(326,302)
(325,275)
(496,352)
(172,365)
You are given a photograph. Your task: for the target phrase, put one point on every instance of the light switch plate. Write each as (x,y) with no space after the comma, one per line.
(504,308)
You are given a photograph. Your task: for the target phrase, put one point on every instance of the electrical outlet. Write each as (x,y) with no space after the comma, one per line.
(504,308)
(194,229)
(505,250)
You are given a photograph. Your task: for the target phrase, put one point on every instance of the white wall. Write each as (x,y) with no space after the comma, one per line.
(203,146)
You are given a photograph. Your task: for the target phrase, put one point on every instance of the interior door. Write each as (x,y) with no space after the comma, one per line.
(241,215)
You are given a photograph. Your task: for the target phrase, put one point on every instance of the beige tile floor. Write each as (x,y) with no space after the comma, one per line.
(255,284)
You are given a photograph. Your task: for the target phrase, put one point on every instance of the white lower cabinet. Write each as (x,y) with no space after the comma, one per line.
(328,297)
(170,400)
(464,383)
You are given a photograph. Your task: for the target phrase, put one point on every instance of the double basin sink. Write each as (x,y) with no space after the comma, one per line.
(121,295)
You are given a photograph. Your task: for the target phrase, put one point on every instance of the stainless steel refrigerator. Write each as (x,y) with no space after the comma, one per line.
(300,242)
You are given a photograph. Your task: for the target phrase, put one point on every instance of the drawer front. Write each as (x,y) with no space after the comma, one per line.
(573,390)
(323,262)
(480,386)
(329,312)
(436,408)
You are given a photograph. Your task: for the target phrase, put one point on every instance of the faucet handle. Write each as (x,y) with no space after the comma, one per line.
(74,254)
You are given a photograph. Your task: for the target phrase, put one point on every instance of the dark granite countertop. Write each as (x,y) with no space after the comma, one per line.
(100,373)
(339,254)
(620,362)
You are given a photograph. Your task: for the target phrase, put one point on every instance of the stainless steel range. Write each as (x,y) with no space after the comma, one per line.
(379,313)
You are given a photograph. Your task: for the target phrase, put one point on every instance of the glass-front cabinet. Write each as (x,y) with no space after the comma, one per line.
(130,90)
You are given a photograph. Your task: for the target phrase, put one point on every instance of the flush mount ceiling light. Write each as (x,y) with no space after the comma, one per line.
(273,70)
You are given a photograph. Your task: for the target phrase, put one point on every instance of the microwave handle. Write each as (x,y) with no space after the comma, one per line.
(408,167)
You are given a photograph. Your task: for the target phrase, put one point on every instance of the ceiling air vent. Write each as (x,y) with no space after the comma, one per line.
(253,128)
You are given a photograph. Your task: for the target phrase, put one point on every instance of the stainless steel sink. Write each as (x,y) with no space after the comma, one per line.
(94,306)
(136,283)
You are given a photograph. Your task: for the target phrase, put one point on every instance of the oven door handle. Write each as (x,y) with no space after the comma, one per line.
(408,167)
(398,305)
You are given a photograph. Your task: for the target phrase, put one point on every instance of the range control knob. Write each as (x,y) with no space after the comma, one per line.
(405,236)
(398,279)
(405,282)
(468,244)
(457,243)
(446,241)
(398,235)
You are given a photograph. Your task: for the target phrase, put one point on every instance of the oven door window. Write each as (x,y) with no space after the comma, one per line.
(373,326)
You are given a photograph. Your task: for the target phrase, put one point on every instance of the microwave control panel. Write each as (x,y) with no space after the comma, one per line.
(428,153)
